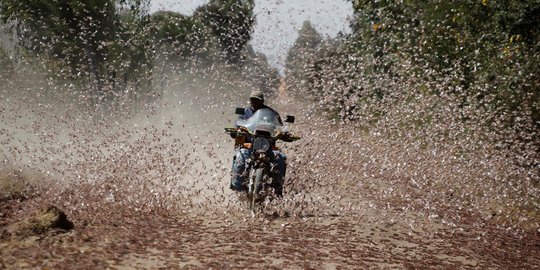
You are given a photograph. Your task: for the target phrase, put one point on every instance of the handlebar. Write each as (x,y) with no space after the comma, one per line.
(286,137)
(236,131)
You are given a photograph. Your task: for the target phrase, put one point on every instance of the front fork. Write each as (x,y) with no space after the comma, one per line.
(260,172)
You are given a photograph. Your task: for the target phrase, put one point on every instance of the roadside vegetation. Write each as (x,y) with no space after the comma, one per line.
(454,85)
(114,47)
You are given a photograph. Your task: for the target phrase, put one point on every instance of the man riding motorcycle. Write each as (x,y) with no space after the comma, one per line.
(278,159)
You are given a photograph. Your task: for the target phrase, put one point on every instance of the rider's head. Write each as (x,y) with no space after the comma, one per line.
(257,99)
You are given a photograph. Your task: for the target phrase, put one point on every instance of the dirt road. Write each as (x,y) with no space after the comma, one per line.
(339,212)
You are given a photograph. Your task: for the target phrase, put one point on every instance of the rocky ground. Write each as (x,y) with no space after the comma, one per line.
(338,213)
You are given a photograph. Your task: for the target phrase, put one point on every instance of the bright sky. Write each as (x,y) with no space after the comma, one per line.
(278,21)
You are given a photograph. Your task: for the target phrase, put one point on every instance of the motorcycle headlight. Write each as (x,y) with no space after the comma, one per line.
(261,144)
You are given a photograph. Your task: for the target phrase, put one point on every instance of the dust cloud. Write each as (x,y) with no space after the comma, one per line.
(170,139)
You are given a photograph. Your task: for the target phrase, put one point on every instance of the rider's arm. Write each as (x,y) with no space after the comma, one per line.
(287,137)
(248,112)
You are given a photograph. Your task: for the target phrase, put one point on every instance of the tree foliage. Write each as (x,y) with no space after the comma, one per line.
(481,40)
(180,35)
(231,21)
(255,69)
(5,63)
(100,38)
(300,55)
(478,59)
(112,45)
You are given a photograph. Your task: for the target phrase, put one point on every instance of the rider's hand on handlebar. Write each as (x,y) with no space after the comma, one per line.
(287,137)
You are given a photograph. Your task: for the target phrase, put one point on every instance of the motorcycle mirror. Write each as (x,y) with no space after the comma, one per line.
(289,119)
(240,111)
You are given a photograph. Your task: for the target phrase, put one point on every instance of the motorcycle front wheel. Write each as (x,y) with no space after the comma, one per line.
(257,186)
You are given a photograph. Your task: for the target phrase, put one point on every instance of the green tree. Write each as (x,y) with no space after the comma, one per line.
(92,37)
(231,22)
(256,70)
(300,56)
(180,35)
(5,64)
(482,55)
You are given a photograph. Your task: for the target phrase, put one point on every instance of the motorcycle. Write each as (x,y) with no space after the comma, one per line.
(259,134)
